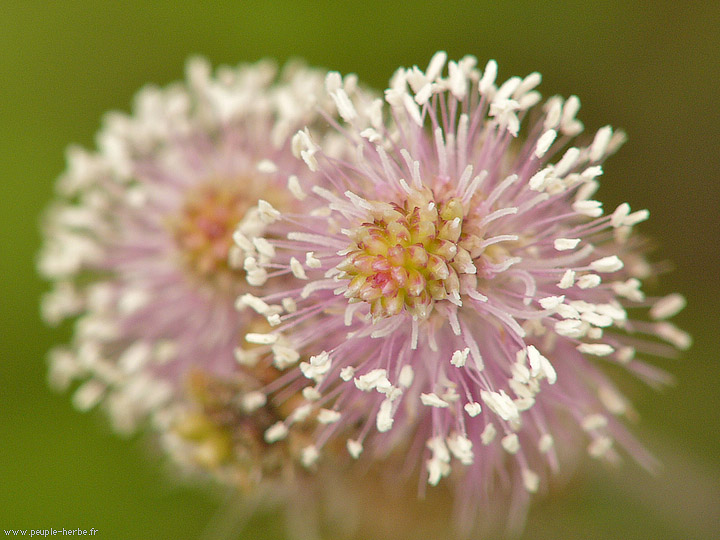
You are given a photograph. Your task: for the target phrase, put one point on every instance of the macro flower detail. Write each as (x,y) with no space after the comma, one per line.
(286,275)
(450,288)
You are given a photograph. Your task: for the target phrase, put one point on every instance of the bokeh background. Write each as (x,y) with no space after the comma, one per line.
(652,68)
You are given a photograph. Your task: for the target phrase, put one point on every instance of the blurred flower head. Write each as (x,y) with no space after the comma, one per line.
(451,289)
(139,248)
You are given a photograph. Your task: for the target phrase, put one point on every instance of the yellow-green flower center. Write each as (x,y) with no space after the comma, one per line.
(408,257)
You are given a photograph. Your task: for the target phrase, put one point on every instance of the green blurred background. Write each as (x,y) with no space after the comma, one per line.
(650,67)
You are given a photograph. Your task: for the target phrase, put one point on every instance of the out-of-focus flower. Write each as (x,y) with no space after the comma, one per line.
(456,289)
(139,248)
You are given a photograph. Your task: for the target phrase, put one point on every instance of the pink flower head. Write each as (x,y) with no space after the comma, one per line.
(139,244)
(456,290)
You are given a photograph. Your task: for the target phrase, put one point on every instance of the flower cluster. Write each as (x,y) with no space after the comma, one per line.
(423,281)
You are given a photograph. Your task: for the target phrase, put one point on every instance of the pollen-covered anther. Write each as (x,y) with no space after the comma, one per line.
(408,257)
